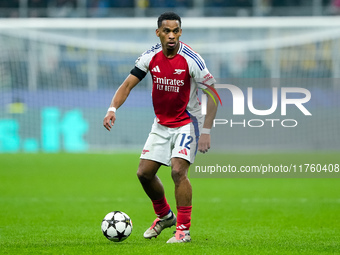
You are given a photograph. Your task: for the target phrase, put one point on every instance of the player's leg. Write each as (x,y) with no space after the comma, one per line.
(156,152)
(183,154)
(179,174)
(146,174)
(153,187)
(183,195)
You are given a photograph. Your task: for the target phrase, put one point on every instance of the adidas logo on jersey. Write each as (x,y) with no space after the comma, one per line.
(184,151)
(156,69)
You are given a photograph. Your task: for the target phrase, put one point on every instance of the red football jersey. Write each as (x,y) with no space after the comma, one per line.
(174,91)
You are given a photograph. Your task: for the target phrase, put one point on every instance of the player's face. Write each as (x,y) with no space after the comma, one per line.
(169,34)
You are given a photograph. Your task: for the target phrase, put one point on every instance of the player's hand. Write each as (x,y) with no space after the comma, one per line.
(109,120)
(204,143)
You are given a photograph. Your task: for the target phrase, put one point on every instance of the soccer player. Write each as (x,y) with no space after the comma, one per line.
(179,129)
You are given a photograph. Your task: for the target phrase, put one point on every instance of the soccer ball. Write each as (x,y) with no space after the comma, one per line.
(116,226)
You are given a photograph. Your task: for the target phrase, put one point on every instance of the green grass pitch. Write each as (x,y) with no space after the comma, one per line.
(54,204)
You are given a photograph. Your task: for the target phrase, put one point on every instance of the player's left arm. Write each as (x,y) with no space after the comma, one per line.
(204,140)
(199,71)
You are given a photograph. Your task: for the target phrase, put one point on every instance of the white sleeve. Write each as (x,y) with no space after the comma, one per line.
(142,62)
(199,71)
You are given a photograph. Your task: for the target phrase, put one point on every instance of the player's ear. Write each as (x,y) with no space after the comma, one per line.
(157,32)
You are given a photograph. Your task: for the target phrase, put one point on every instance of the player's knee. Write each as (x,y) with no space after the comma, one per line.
(147,171)
(143,177)
(178,175)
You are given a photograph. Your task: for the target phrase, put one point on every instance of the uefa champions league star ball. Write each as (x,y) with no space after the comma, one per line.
(116,226)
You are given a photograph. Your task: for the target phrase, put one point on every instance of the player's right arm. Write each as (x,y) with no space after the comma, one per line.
(136,75)
(119,98)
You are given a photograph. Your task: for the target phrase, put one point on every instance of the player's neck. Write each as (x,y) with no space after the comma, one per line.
(170,53)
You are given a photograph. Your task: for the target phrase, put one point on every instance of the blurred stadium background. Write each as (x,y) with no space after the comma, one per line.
(133,8)
(62,60)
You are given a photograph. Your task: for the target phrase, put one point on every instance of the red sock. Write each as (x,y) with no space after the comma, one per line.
(161,207)
(183,217)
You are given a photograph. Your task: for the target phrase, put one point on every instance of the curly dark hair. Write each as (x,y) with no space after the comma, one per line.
(168,16)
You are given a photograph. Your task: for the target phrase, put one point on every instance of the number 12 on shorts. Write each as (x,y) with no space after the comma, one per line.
(186,140)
